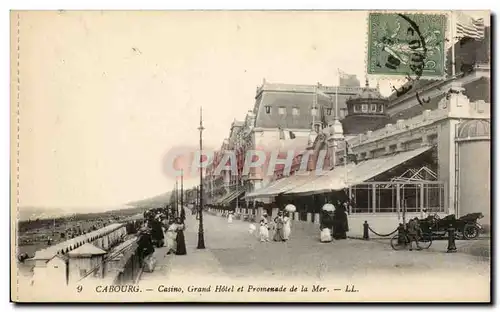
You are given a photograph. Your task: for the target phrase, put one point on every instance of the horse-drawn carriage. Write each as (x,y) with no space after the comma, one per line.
(466,226)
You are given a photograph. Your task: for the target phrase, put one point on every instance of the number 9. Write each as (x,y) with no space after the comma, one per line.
(79,288)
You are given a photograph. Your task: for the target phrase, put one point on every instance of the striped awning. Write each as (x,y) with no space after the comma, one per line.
(344,176)
(283,185)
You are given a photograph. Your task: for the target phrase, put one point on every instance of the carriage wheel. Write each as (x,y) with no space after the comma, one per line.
(470,231)
(396,244)
(425,241)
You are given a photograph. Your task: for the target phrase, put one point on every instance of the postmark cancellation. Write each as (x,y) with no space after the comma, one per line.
(403,45)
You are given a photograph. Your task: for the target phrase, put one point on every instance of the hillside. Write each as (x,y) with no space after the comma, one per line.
(152,202)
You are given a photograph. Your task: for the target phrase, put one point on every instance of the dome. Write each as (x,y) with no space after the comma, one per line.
(367,93)
(473,129)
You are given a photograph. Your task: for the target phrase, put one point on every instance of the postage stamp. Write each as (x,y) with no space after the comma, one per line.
(407,45)
(152,161)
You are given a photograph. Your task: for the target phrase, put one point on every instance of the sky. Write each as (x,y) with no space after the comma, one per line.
(105,95)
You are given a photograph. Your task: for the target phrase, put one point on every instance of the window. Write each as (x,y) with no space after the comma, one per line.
(380,108)
(295,111)
(364,108)
(357,108)
(373,108)
(268,109)
(329,111)
(281,111)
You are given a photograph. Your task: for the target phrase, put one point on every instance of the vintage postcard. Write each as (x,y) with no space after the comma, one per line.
(250,156)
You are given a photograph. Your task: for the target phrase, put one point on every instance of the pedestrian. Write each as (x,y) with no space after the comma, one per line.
(278,233)
(414,233)
(340,223)
(264,229)
(181,243)
(171,237)
(326,225)
(287,226)
(145,243)
(157,231)
(230,218)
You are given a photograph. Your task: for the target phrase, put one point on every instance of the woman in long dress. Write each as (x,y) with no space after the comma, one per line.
(181,243)
(287,228)
(278,233)
(341,225)
(264,229)
(171,237)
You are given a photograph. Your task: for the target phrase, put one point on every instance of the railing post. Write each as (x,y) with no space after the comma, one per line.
(365,231)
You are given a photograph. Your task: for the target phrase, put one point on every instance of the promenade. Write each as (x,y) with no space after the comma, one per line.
(233,256)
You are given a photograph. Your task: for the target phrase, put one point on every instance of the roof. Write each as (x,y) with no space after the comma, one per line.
(333,180)
(301,97)
(367,93)
(285,184)
(474,129)
(352,174)
(371,168)
(86,250)
(71,244)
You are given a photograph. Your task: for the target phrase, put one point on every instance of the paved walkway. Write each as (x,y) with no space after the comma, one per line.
(233,255)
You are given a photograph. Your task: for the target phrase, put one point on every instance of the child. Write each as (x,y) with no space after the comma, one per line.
(264,230)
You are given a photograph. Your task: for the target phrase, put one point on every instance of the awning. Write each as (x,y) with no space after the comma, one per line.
(331,181)
(371,168)
(232,196)
(289,183)
(344,176)
(259,193)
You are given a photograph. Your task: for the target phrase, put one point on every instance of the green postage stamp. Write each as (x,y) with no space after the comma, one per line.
(406,44)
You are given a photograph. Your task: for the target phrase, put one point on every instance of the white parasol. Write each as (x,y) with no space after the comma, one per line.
(290,208)
(328,207)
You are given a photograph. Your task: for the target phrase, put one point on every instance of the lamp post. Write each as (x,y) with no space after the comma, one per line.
(183,213)
(201,238)
(176,208)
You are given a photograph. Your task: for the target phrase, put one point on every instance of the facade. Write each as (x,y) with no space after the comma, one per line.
(394,157)
(284,116)
(428,161)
